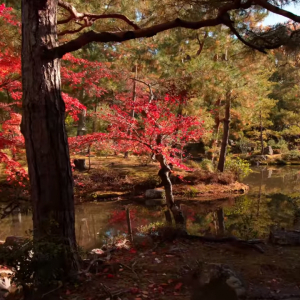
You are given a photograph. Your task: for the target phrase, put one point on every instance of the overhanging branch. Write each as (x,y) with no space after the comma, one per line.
(90,18)
(277,10)
(121,36)
(105,37)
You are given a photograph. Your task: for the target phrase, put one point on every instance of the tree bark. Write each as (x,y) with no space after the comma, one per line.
(164,174)
(43,127)
(214,144)
(81,127)
(95,117)
(261,134)
(221,221)
(222,158)
(132,113)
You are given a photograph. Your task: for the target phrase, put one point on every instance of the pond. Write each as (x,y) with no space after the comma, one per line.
(273,199)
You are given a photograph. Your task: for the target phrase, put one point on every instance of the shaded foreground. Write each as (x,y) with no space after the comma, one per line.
(161,269)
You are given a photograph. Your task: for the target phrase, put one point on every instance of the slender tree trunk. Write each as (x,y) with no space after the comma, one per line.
(132,113)
(164,174)
(261,134)
(81,127)
(222,158)
(217,128)
(43,127)
(95,118)
(221,221)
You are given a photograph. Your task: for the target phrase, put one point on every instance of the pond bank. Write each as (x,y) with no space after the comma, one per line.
(276,159)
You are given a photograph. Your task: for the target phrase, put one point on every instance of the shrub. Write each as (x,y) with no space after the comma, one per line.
(291,155)
(191,192)
(207,165)
(282,145)
(194,165)
(37,263)
(239,167)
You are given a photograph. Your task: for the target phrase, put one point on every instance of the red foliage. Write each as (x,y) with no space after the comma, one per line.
(155,127)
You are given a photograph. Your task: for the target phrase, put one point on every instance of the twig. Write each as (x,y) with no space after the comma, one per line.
(106,290)
(129,224)
(57,288)
(131,269)
(91,263)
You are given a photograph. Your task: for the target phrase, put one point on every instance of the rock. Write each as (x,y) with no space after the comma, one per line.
(216,281)
(282,237)
(268,150)
(276,151)
(6,276)
(155,194)
(155,202)
(80,164)
(14,240)
(143,241)
(259,157)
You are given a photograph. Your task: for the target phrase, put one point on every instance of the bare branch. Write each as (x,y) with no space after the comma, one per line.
(278,11)
(201,44)
(151,98)
(75,15)
(105,37)
(71,31)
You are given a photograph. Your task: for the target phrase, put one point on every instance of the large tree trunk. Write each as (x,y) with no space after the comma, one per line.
(222,158)
(43,127)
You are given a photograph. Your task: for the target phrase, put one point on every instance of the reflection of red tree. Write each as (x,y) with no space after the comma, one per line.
(118,219)
(189,214)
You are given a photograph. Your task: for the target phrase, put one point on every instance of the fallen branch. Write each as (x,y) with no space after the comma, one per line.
(53,290)
(231,240)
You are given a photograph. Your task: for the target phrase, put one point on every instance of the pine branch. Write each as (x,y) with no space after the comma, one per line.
(105,37)
(278,11)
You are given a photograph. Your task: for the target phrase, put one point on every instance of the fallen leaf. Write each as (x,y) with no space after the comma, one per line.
(178,286)
(134,290)
(145,292)
(68,292)
(110,276)
(170,280)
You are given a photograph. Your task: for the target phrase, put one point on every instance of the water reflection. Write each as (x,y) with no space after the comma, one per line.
(273,199)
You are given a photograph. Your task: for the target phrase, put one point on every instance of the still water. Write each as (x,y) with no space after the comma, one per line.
(273,199)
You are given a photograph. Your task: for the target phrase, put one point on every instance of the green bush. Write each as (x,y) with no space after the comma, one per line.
(239,167)
(35,263)
(194,164)
(291,155)
(207,165)
(282,145)
(192,192)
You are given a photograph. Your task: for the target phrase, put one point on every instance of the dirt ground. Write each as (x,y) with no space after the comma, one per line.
(161,272)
